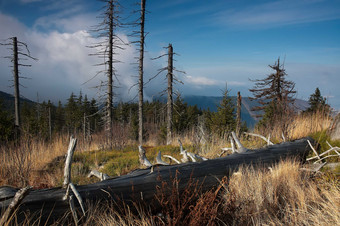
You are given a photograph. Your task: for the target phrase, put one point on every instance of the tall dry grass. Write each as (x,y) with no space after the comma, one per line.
(24,163)
(299,125)
(280,196)
(306,124)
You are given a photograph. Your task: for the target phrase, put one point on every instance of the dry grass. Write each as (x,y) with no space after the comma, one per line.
(306,124)
(30,158)
(281,196)
(25,163)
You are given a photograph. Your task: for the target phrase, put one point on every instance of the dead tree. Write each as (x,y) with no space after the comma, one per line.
(19,49)
(106,50)
(238,114)
(141,73)
(170,99)
(170,80)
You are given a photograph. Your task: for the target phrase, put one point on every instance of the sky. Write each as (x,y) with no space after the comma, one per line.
(217,42)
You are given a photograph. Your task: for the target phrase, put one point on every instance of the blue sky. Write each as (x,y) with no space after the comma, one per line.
(217,41)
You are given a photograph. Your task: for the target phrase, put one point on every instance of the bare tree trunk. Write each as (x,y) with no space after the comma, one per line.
(170,99)
(238,114)
(16,86)
(84,127)
(49,122)
(140,82)
(110,77)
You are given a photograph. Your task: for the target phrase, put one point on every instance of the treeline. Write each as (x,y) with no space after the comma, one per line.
(83,117)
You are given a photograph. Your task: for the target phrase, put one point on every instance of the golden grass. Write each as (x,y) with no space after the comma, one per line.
(280,196)
(305,124)
(284,195)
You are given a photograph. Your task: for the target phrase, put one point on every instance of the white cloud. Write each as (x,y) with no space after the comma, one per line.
(67,21)
(201,81)
(64,63)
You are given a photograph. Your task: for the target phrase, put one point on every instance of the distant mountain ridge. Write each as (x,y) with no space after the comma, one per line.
(7,101)
(211,103)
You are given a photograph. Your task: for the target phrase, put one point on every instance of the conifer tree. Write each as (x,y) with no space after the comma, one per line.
(276,95)
(317,102)
(223,121)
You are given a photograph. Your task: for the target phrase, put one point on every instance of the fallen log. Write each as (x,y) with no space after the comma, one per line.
(142,184)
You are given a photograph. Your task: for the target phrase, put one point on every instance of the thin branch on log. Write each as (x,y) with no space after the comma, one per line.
(185,158)
(329,150)
(76,193)
(172,158)
(240,147)
(328,156)
(180,146)
(73,210)
(68,162)
(142,158)
(314,168)
(224,150)
(313,150)
(332,148)
(260,136)
(100,175)
(283,137)
(159,159)
(19,196)
(268,141)
(192,156)
(232,143)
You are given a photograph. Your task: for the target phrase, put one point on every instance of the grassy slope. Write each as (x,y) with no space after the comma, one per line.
(251,197)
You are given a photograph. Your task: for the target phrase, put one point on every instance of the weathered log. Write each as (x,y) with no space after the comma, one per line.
(142,185)
(18,197)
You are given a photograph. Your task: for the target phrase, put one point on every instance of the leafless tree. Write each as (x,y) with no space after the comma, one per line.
(170,80)
(107,49)
(141,73)
(238,114)
(20,52)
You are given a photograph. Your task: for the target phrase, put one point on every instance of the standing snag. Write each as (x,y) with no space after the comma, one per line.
(141,73)
(276,95)
(19,49)
(238,114)
(170,98)
(169,90)
(106,49)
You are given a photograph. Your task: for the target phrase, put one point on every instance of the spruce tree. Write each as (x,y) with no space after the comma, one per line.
(275,95)
(223,121)
(317,102)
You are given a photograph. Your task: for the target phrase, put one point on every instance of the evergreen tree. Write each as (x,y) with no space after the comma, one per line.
(59,118)
(184,116)
(179,115)
(317,102)
(71,114)
(30,119)
(223,121)
(94,116)
(275,94)
(6,125)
